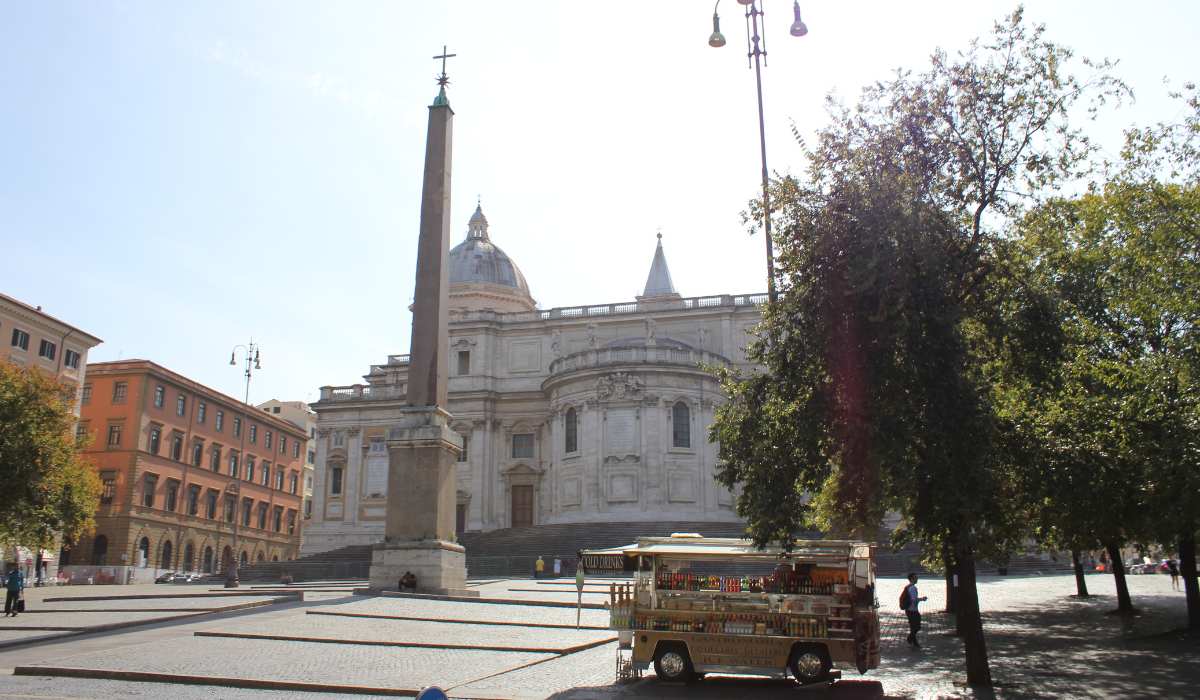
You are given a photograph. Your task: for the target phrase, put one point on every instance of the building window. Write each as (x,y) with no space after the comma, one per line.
(339,439)
(572,430)
(108,487)
(155,438)
(247,507)
(149,484)
(193,500)
(522,445)
(114,436)
(681,425)
(291,522)
(120,391)
(295,483)
(278,478)
(160,395)
(172,495)
(237,426)
(267,440)
(180,405)
(210,504)
(307,508)
(250,468)
(262,516)
(201,412)
(197,453)
(80,432)
(233,464)
(462,454)
(214,461)
(20,339)
(47,349)
(86,396)
(266,473)
(230,507)
(283,444)
(335,481)
(177,447)
(253,434)
(278,519)
(219,421)
(71,359)
(464,362)
(312,456)
(296,450)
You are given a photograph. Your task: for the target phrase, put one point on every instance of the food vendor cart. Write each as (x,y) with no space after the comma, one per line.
(700,605)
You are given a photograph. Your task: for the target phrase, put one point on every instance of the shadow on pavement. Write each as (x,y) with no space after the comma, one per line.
(721,687)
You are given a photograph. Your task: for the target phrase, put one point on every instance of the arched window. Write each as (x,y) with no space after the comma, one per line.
(243,559)
(261,557)
(274,557)
(144,552)
(99,550)
(681,425)
(208,560)
(165,560)
(189,557)
(572,430)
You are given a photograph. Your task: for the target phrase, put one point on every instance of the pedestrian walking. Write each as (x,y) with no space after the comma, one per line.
(909,601)
(14,585)
(1173,569)
(539,567)
(557,567)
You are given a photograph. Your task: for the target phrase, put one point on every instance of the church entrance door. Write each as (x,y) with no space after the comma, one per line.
(522,506)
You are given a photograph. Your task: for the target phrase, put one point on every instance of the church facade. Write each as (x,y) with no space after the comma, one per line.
(569,415)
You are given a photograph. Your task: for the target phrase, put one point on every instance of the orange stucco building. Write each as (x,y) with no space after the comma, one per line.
(189,475)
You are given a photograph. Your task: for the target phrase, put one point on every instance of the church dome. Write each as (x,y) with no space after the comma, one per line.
(478,264)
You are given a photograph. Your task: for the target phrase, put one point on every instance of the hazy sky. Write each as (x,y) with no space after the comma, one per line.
(178,177)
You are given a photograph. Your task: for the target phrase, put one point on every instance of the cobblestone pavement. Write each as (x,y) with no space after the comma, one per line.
(366,629)
(75,620)
(482,612)
(27,635)
(1042,643)
(181,603)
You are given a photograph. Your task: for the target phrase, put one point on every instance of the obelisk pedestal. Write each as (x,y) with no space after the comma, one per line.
(422,449)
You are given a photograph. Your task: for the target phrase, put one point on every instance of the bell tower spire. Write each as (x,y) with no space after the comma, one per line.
(658,283)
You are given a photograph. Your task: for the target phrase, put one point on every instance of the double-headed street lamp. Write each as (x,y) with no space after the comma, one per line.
(756,54)
(233,489)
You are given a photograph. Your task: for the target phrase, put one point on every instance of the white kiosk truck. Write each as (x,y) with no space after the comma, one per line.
(700,605)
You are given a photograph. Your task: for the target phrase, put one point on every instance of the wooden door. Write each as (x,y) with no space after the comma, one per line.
(460,518)
(522,506)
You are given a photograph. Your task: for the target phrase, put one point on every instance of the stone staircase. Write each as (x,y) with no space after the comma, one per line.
(512,552)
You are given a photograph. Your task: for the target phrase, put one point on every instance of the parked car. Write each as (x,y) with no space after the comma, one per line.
(169,577)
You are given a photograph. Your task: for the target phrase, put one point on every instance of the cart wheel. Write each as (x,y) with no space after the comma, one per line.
(809,663)
(672,663)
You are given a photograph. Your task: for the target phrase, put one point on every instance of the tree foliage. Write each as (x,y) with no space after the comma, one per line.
(48,488)
(880,356)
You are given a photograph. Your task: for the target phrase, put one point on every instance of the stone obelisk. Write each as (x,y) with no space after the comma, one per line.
(422,449)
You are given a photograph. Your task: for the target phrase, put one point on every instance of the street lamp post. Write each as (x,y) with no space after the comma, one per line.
(234,488)
(756,55)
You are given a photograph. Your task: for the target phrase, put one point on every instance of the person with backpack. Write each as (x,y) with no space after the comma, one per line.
(909,600)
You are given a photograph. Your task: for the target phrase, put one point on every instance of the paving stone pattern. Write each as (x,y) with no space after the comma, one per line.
(365,629)
(306,662)
(27,635)
(81,620)
(187,602)
(482,612)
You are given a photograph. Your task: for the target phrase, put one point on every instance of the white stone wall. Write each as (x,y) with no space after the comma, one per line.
(625,468)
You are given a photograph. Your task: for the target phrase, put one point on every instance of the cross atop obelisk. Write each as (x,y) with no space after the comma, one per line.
(443,80)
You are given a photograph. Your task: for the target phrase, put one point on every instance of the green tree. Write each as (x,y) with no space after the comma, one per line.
(874,397)
(49,489)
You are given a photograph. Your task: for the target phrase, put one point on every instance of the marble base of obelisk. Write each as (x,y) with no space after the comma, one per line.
(419,533)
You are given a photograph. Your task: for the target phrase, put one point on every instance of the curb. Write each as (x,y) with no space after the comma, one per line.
(227,682)
(490,601)
(414,645)
(454,621)
(157,596)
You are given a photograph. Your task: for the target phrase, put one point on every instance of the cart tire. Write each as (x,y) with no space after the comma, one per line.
(673,664)
(809,663)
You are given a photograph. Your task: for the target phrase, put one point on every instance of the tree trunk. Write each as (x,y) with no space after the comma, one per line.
(1080,581)
(1124,604)
(970,620)
(1187,569)
(951,589)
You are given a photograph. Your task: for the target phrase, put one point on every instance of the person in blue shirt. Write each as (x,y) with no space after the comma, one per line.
(914,616)
(14,583)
